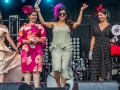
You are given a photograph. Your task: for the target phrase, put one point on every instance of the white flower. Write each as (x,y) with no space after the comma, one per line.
(27,28)
(29,60)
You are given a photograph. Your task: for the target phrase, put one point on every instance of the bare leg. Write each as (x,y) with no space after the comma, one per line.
(63,81)
(36,79)
(100,79)
(1,77)
(57,78)
(107,75)
(27,77)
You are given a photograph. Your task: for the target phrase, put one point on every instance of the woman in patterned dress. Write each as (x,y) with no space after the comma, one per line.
(31,40)
(61,47)
(10,61)
(101,60)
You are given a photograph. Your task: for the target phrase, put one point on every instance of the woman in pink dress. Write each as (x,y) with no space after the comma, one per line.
(31,40)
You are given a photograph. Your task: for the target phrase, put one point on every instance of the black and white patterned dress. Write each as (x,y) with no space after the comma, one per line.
(101,62)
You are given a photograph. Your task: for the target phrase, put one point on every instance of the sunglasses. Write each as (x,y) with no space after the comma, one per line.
(62,14)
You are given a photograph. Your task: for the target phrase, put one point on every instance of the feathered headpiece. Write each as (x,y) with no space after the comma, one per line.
(56,9)
(28,9)
(99,8)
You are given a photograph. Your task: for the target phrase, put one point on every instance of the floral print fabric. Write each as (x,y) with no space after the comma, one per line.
(32,54)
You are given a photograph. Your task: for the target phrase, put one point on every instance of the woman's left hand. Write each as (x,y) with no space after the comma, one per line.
(37,8)
(115,39)
(84,6)
(16,50)
(36,40)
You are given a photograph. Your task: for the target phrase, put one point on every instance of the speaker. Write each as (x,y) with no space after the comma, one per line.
(98,85)
(15,86)
(116,77)
(53,88)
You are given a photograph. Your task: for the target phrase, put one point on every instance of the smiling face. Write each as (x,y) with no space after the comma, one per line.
(102,15)
(33,17)
(62,15)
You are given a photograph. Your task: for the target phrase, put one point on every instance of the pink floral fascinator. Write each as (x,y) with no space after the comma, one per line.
(28,9)
(56,9)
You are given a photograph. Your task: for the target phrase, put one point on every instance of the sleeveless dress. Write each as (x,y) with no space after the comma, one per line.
(102,60)
(10,62)
(61,51)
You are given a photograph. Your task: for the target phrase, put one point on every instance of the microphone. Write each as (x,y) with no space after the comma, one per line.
(86,15)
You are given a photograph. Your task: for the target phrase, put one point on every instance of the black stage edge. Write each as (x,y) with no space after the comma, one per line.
(98,85)
(81,85)
(52,88)
(15,86)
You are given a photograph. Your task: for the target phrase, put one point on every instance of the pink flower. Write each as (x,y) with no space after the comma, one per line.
(43,39)
(29,60)
(38,59)
(40,52)
(25,47)
(24,56)
(35,68)
(40,27)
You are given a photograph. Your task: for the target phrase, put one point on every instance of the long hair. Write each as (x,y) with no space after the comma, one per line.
(67,19)
(1,21)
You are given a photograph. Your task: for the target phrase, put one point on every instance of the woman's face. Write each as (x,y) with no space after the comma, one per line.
(62,15)
(102,16)
(33,17)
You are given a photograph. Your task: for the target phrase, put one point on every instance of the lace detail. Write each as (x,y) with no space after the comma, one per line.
(52,47)
(65,47)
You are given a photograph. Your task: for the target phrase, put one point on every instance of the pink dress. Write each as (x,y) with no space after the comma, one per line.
(32,54)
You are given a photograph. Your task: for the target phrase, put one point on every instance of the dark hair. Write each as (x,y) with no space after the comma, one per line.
(105,11)
(1,21)
(67,19)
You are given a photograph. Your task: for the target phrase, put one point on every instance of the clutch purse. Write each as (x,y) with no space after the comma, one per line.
(115,50)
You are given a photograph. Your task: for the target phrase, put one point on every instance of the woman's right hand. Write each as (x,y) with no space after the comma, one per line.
(84,6)
(37,8)
(28,41)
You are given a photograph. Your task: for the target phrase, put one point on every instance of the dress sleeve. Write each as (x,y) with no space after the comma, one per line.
(20,37)
(43,35)
(6,30)
(111,34)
